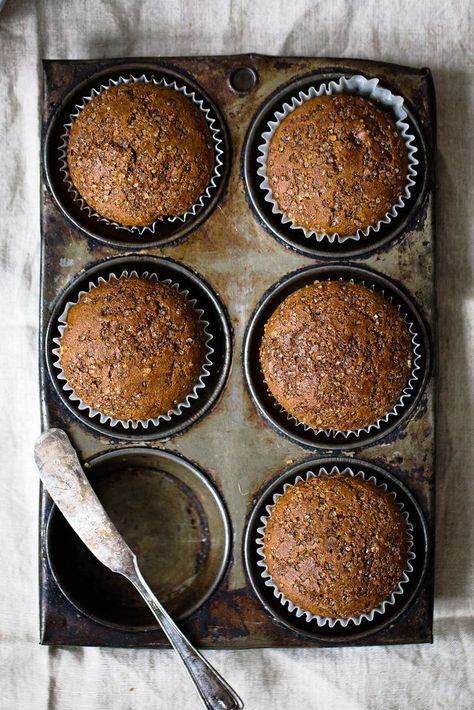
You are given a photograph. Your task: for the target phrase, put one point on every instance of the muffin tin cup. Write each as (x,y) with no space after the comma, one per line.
(213,312)
(321,620)
(152,496)
(359,86)
(214,129)
(285,422)
(134,423)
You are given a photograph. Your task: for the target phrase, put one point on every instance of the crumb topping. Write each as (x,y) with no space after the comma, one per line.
(337,164)
(138,152)
(132,348)
(336,545)
(336,355)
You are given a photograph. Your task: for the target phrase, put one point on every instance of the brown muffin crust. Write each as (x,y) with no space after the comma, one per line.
(138,152)
(336,546)
(132,348)
(336,355)
(337,164)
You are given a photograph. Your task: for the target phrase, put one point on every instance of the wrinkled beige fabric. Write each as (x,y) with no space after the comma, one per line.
(435,34)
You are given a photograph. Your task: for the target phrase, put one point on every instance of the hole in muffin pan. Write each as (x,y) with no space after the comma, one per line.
(219,327)
(167,230)
(267,406)
(295,238)
(173,519)
(242,80)
(352,632)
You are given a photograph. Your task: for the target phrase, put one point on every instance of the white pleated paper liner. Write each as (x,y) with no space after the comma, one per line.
(214,131)
(322,620)
(180,408)
(407,391)
(359,86)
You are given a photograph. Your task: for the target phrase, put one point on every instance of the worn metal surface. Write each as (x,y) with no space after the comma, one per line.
(233,444)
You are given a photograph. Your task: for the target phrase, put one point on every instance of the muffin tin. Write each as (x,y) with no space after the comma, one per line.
(233,450)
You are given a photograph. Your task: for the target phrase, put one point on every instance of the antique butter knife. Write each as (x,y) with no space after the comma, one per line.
(62,474)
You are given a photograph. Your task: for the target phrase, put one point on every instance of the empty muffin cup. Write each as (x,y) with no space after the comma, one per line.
(174,411)
(354,86)
(173,518)
(320,620)
(214,131)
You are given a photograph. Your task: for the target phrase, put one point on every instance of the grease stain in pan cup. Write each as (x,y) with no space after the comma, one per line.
(217,369)
(366,626)
(272,411)
(173,519)
(296,237)
(162,231)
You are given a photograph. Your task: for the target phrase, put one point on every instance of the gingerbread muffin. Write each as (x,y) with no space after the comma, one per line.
(336,355)
(138,152)
(337,164)
(132,348)
(336,546)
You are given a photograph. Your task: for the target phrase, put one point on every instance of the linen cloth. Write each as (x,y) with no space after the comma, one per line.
(435,34)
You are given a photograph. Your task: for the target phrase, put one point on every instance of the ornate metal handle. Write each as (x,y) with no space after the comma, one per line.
(213,690)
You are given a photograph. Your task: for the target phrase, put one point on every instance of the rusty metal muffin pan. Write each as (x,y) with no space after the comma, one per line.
(238,260)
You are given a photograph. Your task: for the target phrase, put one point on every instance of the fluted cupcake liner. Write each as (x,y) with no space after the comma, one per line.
(134,423)
(216,139)
(322,620)
(402,401)
(359,86)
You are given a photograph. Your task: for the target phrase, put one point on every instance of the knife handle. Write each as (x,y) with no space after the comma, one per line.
(213,690)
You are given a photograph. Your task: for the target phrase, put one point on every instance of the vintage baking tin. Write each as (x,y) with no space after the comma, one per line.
(234,255)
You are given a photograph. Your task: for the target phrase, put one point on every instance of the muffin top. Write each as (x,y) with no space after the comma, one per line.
(336,545)
(336,355)
(337,164)
(138,152)
(132,348)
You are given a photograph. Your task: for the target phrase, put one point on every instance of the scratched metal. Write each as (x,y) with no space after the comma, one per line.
(232,444)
